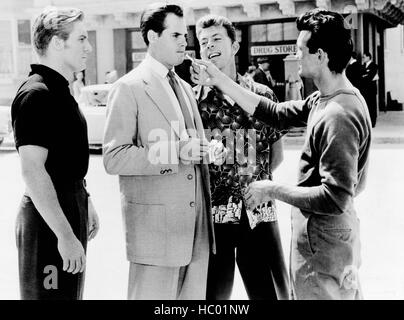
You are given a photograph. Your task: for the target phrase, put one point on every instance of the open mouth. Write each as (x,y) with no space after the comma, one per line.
(214,55)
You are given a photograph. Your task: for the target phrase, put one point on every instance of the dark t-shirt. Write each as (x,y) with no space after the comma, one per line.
(45,114)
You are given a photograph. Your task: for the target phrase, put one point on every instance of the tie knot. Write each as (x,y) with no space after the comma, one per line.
(171,74)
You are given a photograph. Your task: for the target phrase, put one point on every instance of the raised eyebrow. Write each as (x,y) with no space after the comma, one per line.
(179,34)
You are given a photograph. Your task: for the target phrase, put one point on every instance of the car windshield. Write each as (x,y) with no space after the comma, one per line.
(95,95)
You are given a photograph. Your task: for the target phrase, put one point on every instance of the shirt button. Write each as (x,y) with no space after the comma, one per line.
(190,176)
(192,204)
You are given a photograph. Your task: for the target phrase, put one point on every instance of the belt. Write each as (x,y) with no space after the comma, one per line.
(69,184)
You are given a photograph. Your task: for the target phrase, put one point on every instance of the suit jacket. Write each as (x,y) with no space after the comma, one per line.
(157,190)
(261,77)
(368,74)
(353,73)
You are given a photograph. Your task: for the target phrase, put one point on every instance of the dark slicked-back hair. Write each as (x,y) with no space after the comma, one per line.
(51,22)
(328,32)
(213,20)
(153,18)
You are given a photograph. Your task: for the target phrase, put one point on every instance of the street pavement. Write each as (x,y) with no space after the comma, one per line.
(379,209)
(389,129)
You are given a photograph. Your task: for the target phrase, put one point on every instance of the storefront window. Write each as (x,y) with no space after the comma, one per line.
(274,32)
(259,33)
(6,53)
(24,34)
(285,31)
(137,40)
(24,50)
(290,31)
(190,38)
(239,34)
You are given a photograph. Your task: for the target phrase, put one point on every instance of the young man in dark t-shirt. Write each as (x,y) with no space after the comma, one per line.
(56,217)
(325,245)
(239,235)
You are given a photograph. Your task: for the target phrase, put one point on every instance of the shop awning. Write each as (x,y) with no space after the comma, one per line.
(391,11)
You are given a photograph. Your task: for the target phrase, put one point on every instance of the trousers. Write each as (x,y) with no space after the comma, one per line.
(325,256)
(41,274)
(259,257)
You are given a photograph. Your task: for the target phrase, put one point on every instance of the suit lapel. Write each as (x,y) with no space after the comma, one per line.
(158,95)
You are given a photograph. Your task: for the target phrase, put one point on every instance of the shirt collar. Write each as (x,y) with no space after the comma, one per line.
(156,66)
(201,92)
(51,76)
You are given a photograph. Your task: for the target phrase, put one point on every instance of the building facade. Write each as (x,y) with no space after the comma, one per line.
(264,28)
(394,66)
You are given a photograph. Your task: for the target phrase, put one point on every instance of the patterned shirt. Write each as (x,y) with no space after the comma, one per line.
(249,141)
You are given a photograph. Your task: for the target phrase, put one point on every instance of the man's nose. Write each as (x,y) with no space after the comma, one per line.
(183,41)
(88,47)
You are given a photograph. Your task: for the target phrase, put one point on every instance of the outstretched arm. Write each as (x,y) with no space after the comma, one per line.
(208,74)
(278,115)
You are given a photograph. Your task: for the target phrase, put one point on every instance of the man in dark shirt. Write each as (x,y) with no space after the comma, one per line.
(239,235)
(56,216)
(354,71)
(369,85)
(325,247)
(260,74)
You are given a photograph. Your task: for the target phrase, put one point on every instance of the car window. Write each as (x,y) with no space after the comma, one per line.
(95,98)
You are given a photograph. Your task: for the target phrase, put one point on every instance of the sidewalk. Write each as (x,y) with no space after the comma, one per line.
(389,129)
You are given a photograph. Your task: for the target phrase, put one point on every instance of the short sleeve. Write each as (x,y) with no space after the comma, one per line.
(31,122)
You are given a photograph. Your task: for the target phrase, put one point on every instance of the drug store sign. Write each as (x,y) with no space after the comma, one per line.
(273,50)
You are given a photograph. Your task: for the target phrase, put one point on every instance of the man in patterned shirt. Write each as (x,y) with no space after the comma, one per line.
(254,152)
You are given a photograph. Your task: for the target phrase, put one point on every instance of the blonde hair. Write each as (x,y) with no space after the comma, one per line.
(53,22)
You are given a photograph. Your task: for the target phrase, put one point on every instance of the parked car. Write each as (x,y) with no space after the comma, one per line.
(5,122)
(93,102)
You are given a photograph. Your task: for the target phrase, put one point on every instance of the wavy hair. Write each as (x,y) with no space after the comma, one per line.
(53,22)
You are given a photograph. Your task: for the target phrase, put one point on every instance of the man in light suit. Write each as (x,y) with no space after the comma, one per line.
(154,141)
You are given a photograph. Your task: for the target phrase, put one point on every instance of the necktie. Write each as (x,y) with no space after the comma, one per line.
(189,122)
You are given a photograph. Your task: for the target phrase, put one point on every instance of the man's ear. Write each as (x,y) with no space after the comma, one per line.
(322,56)
(152,36)
(57,43)
(235,47)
